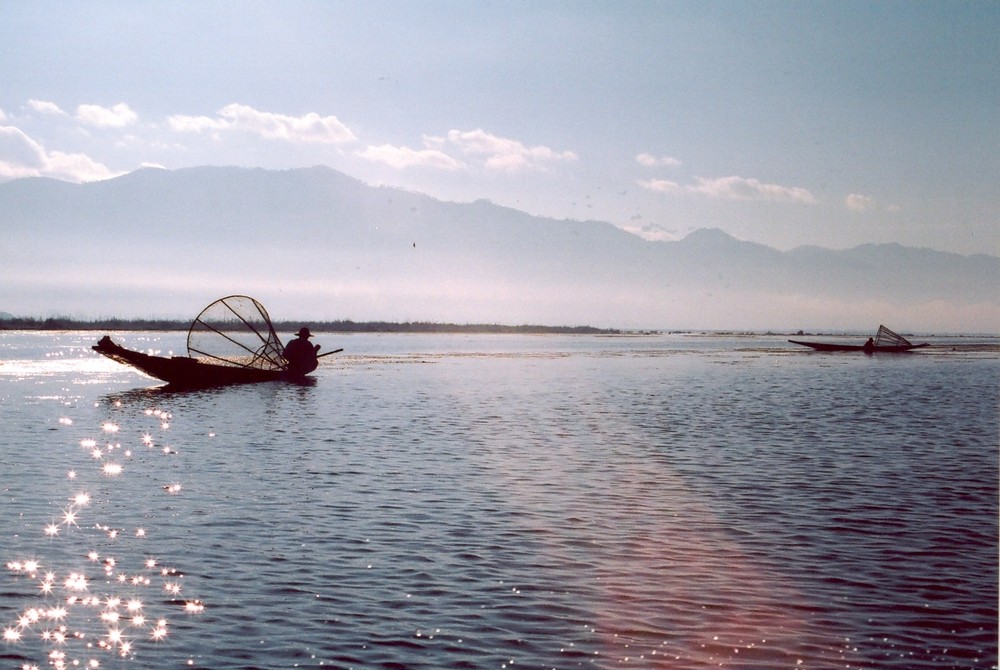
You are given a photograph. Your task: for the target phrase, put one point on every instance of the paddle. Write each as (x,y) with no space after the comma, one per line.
(335,351)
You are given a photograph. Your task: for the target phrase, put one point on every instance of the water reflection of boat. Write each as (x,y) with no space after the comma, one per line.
(885,341)
(232,341)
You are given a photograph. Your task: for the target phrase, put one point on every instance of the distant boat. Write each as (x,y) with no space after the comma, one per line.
(885,341)
(232,341)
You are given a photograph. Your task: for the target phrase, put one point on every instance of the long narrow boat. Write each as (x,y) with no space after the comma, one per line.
(232,341)
(185,371)
(884,342)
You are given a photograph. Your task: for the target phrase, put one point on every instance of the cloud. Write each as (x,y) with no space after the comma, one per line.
(733,188)
(118,116)
(650,231)
(195,124)
(77,167)
(47,108)
(458,148)
(498,153)
(404,157)
(863,203)
(740,188)
(308,128)
(661,186)
(21,156)
(859,203)
(649,160)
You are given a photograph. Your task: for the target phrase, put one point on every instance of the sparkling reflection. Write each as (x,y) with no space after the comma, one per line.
(81,617)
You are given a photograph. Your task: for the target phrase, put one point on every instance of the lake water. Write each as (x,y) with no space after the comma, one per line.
(437,502)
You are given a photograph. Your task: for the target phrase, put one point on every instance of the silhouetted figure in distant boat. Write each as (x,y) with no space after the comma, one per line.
(301,353)
(869,346)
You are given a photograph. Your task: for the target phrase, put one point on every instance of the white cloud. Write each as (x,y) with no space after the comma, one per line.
(21,156)
(308,128)
(863,203)
(661,185)
(858,202)
(118,116)
(733,188)
(195,124)
(3,116)
(44,107)
(649,160)
(404,157)
(499,153)
(650,231)
(486,150)
(77,167)
(741,188)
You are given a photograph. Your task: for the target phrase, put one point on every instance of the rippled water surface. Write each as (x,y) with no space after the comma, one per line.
(501,502)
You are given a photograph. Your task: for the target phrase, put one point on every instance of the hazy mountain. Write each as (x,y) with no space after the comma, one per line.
(315,243)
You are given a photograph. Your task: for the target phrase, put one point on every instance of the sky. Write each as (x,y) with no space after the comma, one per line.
(785,123)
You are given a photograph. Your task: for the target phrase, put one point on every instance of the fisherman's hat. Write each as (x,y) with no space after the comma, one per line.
(304,332)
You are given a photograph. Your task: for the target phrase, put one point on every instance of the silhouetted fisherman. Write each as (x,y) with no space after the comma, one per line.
(301,353)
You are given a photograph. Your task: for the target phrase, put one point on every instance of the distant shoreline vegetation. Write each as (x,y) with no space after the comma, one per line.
(62,323)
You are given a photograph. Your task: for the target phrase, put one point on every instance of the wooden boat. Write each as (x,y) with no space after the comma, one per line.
(232,341)
(185,371)
(884,342)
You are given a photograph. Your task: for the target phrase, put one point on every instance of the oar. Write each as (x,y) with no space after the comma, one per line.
(335,351)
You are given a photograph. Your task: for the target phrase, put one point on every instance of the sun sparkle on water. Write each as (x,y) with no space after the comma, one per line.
(72,626)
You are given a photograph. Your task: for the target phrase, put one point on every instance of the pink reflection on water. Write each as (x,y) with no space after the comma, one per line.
(673,561)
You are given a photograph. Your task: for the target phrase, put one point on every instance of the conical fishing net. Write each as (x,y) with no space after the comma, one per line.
(236,331)
(887,338)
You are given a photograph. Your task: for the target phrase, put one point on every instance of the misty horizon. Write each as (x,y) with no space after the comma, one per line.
(317,244)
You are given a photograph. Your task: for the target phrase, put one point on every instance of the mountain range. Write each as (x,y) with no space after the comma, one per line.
(314,243)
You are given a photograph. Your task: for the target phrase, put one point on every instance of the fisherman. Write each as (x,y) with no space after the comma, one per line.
(301,353)
(869,345)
